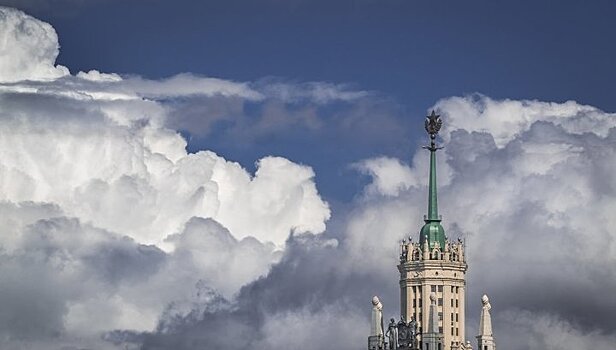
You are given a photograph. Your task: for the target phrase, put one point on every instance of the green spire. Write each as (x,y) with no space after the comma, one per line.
(432,200)
(433,230)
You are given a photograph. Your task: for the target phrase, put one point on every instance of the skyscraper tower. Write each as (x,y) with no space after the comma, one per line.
(434,268)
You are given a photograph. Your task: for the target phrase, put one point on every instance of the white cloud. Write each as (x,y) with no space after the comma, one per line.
(389,175)
(94,75)
(113,163)
(506,119)
(320,92)
(28,48)
(188,84)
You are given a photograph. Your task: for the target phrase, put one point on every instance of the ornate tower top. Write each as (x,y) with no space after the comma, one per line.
(433,231)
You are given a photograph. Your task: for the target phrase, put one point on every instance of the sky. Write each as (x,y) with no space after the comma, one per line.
(412,52)
(234,174)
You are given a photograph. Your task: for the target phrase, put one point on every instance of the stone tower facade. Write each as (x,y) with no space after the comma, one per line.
(434,266)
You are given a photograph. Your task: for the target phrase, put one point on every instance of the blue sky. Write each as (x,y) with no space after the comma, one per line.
(417,52)
(414,53)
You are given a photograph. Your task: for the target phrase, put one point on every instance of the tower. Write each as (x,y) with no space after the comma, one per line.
(485,339)
(434,268)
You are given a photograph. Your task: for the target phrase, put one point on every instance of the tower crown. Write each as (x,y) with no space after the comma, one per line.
(432,231)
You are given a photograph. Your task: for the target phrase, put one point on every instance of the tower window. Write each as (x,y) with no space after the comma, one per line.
(433,288)
(440,289)
(456,302)
(453,289)
(440,330)
(414,302)
(456,331)
(440,301)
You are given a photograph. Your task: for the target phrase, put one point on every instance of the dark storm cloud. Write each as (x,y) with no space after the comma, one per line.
(56,261)
(57,266)
(537,265)
(308,279)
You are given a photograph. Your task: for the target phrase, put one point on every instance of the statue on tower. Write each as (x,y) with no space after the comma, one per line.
(407,334)
(377,316)
(376,338)
(392,333)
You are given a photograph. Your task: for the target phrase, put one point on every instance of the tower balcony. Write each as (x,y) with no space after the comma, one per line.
(452,252)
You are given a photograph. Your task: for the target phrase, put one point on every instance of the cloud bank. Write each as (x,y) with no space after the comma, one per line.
(534,209)
(107,220)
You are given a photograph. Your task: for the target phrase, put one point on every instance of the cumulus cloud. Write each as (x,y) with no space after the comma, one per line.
(138,178)
(389,175)
(28,48)
(506,119)
(535,213)
(107,221)
(68,282)
(97,146)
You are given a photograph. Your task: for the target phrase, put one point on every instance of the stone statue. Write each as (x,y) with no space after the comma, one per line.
(376,339)
(401,332)
(377,317)
(413,332)
(407,334)
(392,333)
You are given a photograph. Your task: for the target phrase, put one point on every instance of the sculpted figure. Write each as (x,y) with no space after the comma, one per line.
(403,334)
(412,333)
(377,316)
(392,333)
